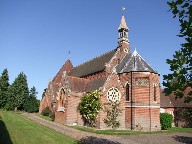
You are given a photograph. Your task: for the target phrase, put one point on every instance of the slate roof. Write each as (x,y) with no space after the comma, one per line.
(77,84)
(134,62)
(95,65)
(95,84)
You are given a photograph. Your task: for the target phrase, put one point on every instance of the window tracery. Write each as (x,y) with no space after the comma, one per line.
(113,95)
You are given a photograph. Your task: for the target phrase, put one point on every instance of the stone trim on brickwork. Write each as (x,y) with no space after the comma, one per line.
(143,106)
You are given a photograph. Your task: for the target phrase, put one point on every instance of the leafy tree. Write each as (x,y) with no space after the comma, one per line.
(113,112)
(4,84)
(31,103)
(18,92)
(181,64)
(184,115)
(89,107)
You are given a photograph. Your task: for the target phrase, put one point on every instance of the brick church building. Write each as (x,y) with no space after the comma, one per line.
(119,75)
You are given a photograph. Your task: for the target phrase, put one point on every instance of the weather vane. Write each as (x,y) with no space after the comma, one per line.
(123,10)
(69,52)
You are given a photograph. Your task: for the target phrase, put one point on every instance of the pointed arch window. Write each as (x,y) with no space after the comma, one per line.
(127,92)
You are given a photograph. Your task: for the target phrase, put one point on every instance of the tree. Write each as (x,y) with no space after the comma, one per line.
(89,107)
(4,84)
(31,103)
(181,64)
(18,92)
(43,94)
(113,112)
(184,115)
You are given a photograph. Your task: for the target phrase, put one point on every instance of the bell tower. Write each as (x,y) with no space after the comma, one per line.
(123,29)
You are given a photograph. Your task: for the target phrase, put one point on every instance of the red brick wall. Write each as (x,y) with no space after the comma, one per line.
(128,118)
(60,117)
(145,110)
(45,102)
(112,81)
(73,115)
(119,55)
(169,110)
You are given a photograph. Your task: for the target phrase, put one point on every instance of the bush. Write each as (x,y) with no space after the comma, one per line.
(113,112)
(31,105)
(89,107)
(52,116)
(166,121)
(46,111)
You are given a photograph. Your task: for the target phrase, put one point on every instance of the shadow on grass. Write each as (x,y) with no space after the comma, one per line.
(183,139)
(95,140)
(4,134)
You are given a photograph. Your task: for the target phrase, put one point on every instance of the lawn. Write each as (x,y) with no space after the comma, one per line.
(44,117)
(130,132)
(122,132)
(15,129)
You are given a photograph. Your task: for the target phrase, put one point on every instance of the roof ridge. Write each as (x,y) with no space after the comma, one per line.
(94,58)
(77,77)
(136,53)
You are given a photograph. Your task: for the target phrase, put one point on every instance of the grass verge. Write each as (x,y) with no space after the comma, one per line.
(129,132)
(123,132)
(15,129)
(44,117)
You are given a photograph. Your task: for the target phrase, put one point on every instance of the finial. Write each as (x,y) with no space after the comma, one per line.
(123,10)
(135,52)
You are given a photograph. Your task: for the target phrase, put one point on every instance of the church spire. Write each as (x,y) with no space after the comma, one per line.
(123,30)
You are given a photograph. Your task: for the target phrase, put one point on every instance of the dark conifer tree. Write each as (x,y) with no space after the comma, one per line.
(4,84)
(32,104)
(18,92)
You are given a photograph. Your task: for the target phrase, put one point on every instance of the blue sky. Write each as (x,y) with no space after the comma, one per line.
(36,35)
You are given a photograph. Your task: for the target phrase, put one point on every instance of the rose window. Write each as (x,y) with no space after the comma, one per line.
(113,95)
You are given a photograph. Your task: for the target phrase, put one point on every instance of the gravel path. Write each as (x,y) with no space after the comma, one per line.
(171,138)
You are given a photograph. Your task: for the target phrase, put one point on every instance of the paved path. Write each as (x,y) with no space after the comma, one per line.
(77,134)
(170,138)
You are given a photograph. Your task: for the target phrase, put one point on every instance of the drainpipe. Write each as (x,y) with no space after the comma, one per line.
(150,103)
(131,102)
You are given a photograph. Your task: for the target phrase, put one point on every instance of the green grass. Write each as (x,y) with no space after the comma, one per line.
(15,129)
(44,117)
(123,132)
(129,132)
(177,129)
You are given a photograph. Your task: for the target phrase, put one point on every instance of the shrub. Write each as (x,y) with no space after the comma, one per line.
(113,112)
(166,121)
(89,107)
(52,116)
(46,111)
(31,105)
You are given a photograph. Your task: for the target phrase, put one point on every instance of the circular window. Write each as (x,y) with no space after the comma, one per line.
(113,95)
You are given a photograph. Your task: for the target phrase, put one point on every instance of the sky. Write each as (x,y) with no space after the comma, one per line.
(37,35)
